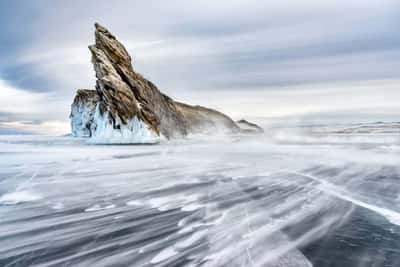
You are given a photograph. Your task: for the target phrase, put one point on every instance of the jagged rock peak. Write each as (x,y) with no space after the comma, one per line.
(112,65)
(127,108)
(113,49)
(126,94)
(103,30)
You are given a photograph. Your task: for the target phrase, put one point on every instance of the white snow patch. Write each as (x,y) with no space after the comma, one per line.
(58,206)
(134,203)
(193,239)
(163,255)
(19,197)
(192,207)
(98,207)
(185,202)
(162,203)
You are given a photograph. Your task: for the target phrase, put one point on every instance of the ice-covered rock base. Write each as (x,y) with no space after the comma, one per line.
(134,132)
(82,113)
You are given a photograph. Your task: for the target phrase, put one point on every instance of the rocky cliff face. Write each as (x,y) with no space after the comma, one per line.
(127,108)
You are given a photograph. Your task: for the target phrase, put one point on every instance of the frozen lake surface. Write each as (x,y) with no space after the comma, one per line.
(296,196)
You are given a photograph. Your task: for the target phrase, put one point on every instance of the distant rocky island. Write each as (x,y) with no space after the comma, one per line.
(127,108)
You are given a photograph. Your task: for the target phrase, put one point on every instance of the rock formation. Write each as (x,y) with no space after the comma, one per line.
(127,108)
(249,127)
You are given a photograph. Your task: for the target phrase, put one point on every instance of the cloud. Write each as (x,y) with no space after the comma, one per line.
(32,110)
(253,53)
(14,100)
(353,98)
(27,127)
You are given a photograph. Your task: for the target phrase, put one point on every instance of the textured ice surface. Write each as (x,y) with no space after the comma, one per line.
(322,199)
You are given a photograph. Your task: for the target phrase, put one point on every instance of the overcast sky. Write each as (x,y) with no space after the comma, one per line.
(296,59)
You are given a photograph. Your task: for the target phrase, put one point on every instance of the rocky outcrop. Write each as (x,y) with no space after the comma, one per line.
(127,108)
(248,127)
(200,119)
